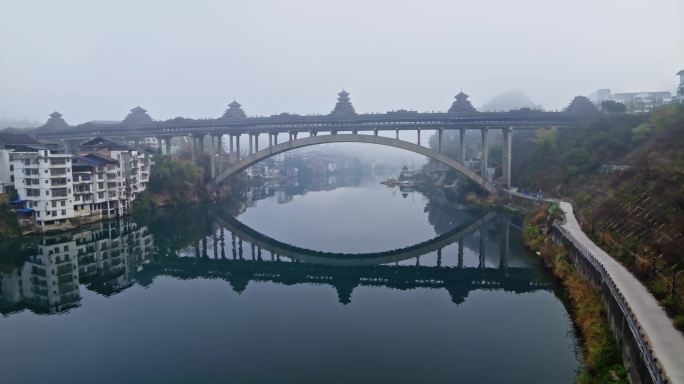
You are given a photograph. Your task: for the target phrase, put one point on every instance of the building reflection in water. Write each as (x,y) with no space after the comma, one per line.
(51,269)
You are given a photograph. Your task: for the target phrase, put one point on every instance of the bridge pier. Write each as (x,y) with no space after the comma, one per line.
(270,139)
(439,257)
(375,132)
(419,137)
(461,143)
(460,253)
(194,152)
(223,244)
(250,143)
(485,154)
(256,142)
(237,147)
(396,134)
(481,262)
(506,163)
(439,140)
(167,144)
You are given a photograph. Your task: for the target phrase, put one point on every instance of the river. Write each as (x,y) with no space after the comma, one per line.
(333,282)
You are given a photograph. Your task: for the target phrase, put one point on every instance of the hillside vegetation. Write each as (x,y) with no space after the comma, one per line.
(9,225)
(173,181)
(636,213)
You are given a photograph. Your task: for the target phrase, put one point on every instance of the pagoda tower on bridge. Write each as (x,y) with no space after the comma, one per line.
(344,107)
(55,122)
(137,115)
(234,111)
(462,104)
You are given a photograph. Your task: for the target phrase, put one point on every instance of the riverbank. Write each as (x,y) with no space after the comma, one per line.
(602,359)
(624,175)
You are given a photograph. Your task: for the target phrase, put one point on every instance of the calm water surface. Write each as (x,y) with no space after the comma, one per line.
(357,283)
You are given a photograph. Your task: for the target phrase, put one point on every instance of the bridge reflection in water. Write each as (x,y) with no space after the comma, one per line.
(239,254)
(112,256)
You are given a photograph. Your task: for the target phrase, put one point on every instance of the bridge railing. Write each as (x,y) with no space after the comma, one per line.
(645,350)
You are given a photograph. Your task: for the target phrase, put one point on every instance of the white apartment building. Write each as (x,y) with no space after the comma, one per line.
(8,141)
(133,169)
(100,183)
(42,177)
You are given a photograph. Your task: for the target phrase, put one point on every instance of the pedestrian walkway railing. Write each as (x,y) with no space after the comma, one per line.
(645,350)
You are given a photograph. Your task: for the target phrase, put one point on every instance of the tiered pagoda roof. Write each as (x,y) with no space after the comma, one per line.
(582,106)
(138,115)
(344,106)
(55,122)
(462,104)
(234,111)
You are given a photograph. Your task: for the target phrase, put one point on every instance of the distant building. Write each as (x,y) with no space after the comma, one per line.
(635,102)
(641,102)
(680,89)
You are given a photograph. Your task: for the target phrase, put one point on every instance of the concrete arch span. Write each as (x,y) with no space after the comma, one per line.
(350,138)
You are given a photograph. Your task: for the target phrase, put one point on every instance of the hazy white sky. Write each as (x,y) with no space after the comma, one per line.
(94,60)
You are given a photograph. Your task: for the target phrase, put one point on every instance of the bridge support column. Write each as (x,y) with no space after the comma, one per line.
(396,136)
(375,132)
(439,140)
(251,143)
(439,257)
(289,136)
(419,137)
(201,145)
(270,139)
(195,151)
(217,157)
(256,142)
(481,263)
(237,147)
(160,146)
(167,144)
(460,253)
(506,163)
(294,135)
(461,144)
(485,154)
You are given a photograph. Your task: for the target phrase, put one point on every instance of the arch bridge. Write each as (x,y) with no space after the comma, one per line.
(234,123)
